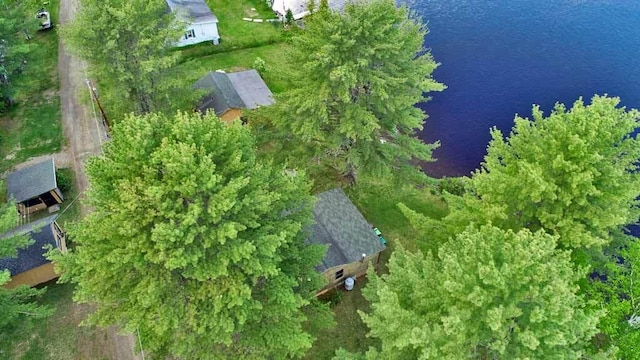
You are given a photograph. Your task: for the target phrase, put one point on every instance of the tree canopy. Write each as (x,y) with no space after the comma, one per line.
(489,293)
(572,173)
(128,46)
(361,73)
(196,243)
(16,26)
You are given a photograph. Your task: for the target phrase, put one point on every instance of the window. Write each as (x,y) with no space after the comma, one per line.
(339,274)
(190,34)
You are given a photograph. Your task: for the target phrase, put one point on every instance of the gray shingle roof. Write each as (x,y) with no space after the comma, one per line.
(32,256)
(237,90)
(32,181)
(197,10)
(339,224)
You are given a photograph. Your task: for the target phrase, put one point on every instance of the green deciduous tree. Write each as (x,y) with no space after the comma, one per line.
(17,304)
(361,73)
(572,173)
(489,294)
(196,243)
(128,45)
(16,25)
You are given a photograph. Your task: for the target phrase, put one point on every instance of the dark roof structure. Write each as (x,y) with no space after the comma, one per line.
(339,224)
(32,181)
(237,90)
(33,255)
(197,11)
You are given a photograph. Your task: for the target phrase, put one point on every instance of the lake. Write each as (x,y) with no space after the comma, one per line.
(501,56)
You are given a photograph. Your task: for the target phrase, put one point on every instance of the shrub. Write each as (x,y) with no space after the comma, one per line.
(64,179)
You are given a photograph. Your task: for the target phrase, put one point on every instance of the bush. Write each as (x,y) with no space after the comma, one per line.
(259,65)
(64,179)
(452,185)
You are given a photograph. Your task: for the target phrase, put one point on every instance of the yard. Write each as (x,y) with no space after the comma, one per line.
(33,127)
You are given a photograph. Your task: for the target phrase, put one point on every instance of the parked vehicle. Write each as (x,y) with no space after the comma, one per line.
(45,19)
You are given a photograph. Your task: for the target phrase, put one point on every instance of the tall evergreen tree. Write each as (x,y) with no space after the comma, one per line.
(128,45)
(361,73)
(572,173)
(196,243)
(489,294)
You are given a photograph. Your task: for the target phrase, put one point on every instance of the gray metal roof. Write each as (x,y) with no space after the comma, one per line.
(32,256)
(197,11)
(32,181)
(237,90)
(339,224)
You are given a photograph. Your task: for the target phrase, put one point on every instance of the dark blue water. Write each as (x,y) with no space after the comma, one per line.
(501,56)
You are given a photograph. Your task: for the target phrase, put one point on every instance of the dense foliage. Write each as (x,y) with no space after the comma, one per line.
(128,45)
(196,243)
(17,23)
(361,73)
(489,294)
(572,173)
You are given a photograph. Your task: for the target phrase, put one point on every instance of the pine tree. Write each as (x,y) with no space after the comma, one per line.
(196,243)
(361,73)
(572,173)
(489,294)
(128,44)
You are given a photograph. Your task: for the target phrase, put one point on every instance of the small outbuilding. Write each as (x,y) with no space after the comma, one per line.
(31,267)
(300,8)
(351,242)
(228,93)
(202,24)
(35,187)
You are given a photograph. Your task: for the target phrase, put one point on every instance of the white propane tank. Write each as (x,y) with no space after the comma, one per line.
(348,283)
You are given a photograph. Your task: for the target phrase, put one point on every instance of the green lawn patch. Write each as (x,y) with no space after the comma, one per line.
(70,207)
(277,72)
(33,126)
(236,33)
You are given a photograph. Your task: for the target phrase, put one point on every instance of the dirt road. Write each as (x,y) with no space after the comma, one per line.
(85,137)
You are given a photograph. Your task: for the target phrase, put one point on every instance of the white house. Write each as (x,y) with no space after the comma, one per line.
(202,23)
(299,8)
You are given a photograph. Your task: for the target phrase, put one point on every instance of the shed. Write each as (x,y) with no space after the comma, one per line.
(30,267)
(202,24)
(351,241)
(35,187)
(300,9)
(229,93)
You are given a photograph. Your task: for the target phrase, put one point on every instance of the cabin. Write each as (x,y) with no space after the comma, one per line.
(34,188)
(227,94)
(300,9)
(31,267)
(202,24)
(352,244)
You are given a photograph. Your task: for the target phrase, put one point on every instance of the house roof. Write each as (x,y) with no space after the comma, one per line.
(339,224)
(33,255)
(237,90)
(197,11)
(32,181)
(299,8)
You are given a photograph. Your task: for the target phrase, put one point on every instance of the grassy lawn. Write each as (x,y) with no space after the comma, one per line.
(51,338)
(277,69)
(33,127)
